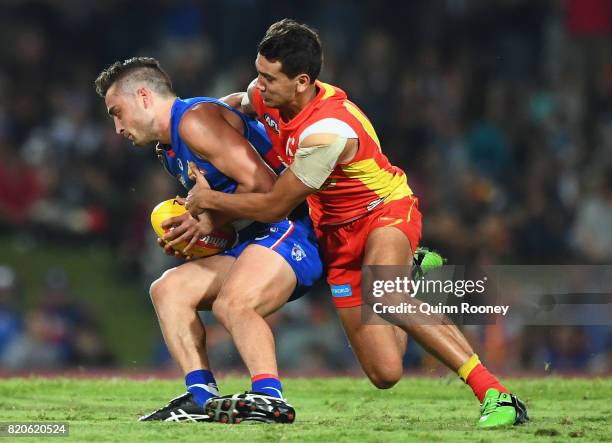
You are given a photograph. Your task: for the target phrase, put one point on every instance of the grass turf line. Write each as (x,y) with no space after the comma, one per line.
(330,409)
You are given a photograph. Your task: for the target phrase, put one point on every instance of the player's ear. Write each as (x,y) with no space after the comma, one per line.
(302,82)
(145,97)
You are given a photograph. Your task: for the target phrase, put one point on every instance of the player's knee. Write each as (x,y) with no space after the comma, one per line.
(222,310)
(385,378)
(227,308)
(156,291)
(161,289)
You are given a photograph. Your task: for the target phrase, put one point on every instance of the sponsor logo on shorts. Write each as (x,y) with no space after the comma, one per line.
(341,290)
(179,163)
(297,253)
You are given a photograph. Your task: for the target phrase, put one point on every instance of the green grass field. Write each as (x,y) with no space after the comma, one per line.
(328,410)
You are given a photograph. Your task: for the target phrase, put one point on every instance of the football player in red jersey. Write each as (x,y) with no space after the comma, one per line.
(363,210)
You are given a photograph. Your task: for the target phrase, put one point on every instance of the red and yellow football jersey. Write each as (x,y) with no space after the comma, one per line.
(353,189)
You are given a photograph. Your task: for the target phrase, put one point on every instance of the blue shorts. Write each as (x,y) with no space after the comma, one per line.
(294,240)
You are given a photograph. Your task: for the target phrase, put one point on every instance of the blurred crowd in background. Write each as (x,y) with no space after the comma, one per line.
(499,111)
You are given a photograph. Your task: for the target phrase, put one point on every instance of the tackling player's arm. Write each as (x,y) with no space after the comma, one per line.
(315,159)
(211,137)
(242,100)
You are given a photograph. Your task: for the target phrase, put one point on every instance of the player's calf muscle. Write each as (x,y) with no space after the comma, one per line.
(376,347)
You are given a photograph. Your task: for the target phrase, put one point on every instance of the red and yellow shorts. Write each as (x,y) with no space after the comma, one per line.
(343,246)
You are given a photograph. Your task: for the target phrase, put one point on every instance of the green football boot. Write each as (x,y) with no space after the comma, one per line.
(501,409)
(424,261)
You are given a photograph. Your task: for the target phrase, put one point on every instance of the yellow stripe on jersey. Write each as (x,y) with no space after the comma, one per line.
(329,90)
(383,183)
(363,120)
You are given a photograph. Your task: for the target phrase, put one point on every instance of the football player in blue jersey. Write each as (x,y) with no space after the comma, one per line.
(271,264)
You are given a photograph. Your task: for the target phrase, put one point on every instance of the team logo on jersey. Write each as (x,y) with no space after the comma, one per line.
(273,229)
(179,163)
(297,253)
(341,290)
(271,122)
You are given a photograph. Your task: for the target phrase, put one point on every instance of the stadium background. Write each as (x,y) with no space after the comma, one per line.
(500,112)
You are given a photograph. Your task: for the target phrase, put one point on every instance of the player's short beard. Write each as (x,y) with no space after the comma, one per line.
(150,134)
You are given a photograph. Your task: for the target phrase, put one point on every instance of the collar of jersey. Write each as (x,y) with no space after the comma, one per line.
(314,105)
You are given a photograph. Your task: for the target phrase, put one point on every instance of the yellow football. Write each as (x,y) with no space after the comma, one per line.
(217,241)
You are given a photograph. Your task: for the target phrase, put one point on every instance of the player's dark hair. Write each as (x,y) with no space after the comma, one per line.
(296,46)
(140,69)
